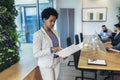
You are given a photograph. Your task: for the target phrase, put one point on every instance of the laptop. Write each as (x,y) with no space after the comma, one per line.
(101,46)
(99,36)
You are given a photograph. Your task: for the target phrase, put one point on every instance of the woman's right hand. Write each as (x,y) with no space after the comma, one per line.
(56,49)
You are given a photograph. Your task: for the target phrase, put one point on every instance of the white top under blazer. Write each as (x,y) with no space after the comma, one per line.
(41,48)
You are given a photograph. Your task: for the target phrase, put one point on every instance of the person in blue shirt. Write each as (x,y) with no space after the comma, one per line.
(105,34)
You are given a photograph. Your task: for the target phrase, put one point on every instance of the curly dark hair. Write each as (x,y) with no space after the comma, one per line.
(117,26)
(49,11)
(103,25)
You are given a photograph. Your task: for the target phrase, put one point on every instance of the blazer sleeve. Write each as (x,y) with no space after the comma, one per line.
(117,46)
(37,46)
(116,40)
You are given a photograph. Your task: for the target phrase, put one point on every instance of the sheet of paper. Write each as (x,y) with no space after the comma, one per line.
(68,51)
(96,62)
(80,45)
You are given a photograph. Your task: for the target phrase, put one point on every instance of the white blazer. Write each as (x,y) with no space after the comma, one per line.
(41,48)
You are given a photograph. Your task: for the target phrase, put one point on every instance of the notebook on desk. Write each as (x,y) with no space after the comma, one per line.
(97,62)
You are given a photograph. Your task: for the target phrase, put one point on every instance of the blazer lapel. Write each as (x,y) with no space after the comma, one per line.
(47,36)
(116,37)
(56,36)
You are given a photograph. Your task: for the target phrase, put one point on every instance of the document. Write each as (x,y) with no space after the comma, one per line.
(97,62)
(68,51)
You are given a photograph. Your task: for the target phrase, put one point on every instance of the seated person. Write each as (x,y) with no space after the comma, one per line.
(105,34)
(116,40)
(115,45)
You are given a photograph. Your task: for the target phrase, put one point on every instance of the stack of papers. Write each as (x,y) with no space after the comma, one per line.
(97,62)
(68,51)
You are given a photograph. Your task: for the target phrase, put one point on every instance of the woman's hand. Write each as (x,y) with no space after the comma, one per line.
(56,49)
(112,50)
(65,58)
(108,42)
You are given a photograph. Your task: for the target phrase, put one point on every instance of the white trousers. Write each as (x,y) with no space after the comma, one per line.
(50,73)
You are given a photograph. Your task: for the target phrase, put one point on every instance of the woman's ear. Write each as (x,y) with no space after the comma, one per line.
(44,19)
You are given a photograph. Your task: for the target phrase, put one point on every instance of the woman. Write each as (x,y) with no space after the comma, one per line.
(45,43)
(116,40)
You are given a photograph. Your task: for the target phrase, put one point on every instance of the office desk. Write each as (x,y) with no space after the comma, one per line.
(112,60)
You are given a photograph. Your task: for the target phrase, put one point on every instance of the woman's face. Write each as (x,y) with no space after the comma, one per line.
(49,23)
(116,29)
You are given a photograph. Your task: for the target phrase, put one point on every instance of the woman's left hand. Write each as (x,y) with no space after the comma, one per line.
(65,58)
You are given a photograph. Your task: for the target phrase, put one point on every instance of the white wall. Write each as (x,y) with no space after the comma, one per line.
(90,27)
(111,15)
(72,4)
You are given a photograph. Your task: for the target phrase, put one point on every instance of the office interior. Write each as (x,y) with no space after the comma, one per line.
(28,18)
(69,23)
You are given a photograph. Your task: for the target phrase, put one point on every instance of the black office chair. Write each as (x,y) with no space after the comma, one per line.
(111,74)
(81,37)
(76,59)
(76,56)
(76,39)
(69,41)
(68,44)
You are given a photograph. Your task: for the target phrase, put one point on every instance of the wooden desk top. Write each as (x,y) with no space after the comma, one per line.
(112,59)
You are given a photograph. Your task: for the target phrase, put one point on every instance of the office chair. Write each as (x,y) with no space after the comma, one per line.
(81,37)
(68,44)
(76,39)
(111,75)
(76,59)
(69,41)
